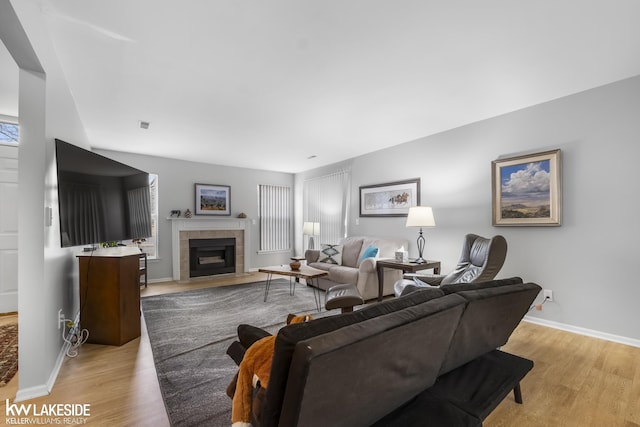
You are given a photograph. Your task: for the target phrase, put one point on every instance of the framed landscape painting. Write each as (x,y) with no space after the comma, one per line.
(390,199)
(526,190)
(213,199)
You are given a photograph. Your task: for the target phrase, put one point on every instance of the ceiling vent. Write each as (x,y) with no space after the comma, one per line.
(143,125)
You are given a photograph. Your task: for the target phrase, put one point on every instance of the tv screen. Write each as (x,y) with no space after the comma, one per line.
(100,200)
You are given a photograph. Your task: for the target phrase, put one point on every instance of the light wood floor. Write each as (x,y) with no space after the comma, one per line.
(577,381)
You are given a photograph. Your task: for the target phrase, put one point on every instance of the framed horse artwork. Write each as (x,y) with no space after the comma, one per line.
(390,199)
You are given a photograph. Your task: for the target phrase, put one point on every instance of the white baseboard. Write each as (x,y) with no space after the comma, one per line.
(31,393)
(583,331)
(45,389)
(165,279)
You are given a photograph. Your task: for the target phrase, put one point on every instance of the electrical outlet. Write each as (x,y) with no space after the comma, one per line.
(548,295)
(60,318)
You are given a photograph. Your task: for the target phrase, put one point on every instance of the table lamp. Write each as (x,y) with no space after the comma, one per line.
(311,229)
(420,216)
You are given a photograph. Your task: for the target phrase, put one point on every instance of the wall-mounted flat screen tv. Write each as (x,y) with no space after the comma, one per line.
(100,199)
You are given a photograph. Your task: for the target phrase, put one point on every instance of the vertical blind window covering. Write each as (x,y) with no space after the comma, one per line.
(86,220)
(139,212)
(326,199)
(275,218)
(140,209)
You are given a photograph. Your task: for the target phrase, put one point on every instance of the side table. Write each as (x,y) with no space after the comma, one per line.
(406,267)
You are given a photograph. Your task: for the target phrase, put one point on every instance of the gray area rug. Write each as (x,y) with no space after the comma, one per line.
(190,332)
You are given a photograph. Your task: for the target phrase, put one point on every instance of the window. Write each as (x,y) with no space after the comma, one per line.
(9,133)
(275,218)
(326,199)
(153,240)
(150,244)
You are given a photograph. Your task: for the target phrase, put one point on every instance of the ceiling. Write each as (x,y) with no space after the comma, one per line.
(269,84)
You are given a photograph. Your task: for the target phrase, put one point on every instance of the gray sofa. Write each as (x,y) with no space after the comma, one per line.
(426,358)
(356,270)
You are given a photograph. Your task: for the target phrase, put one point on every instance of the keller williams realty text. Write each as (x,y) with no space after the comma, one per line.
(52,410)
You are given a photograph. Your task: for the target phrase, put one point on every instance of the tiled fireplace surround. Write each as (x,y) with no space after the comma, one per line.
(184,229)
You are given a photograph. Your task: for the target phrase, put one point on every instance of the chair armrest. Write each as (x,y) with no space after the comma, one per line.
(368,264)
(431,279)
(312,255)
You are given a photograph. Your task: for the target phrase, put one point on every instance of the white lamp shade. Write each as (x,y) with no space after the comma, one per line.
(311,228)
(420,216)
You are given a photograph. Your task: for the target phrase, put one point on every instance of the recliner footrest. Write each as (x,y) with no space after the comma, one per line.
(343,297)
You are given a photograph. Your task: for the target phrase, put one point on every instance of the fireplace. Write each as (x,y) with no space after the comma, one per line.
(199,227)
(208,257)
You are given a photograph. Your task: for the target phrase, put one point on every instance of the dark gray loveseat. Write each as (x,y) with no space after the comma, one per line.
(426,358)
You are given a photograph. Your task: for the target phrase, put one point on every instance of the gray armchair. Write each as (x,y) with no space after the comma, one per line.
(481,260)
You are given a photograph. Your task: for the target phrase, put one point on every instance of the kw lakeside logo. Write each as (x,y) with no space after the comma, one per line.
(46,414)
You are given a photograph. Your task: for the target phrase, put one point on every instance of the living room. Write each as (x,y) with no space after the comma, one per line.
(587,262)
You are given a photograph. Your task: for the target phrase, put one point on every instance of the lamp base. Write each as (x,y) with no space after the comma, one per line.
(420,242)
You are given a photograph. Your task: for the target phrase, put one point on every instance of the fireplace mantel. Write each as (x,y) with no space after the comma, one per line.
(204,224)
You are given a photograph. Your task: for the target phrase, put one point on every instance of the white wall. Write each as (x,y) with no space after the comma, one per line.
(176,181)
(588,262)
(45,272)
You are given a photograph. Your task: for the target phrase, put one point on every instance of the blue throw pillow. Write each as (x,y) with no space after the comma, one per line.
(370,252)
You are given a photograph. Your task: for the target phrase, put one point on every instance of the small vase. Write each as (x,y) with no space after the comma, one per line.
(295,265)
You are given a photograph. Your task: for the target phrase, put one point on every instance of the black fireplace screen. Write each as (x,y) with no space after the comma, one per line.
(208,257)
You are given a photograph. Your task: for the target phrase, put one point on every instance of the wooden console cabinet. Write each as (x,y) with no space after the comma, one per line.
(110,296)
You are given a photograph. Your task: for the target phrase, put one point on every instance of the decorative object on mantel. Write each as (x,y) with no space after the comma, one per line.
(390,199)
(420,216)
(213,199)
(242,215)
(175,213)
(187,213)
(526,190)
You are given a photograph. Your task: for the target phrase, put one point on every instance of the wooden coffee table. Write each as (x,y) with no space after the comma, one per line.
(305,272)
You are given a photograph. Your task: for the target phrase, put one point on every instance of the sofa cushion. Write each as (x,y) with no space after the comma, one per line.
(331,254)
(479,386)
(338,274)
(427,409)
(324,266)
(489,319)
(343,275)
(330,362)
(290,335)
(465,396)
(351,251)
